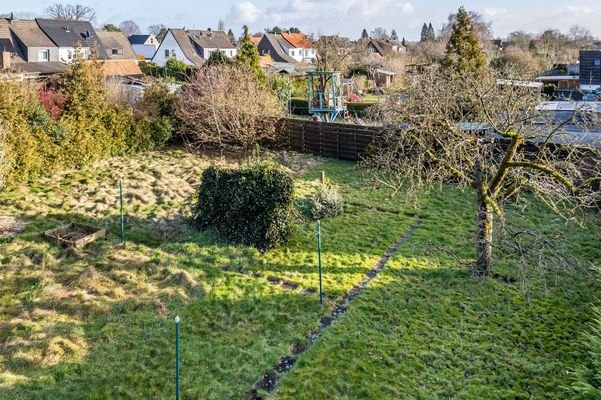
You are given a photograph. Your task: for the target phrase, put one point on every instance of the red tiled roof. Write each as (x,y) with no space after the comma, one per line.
(297,40)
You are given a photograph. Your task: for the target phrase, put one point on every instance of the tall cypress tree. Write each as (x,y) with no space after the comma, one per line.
(393,35)
(424,34)
(431,33)
(464,53)
(249,55)
(231,36)
(364,34)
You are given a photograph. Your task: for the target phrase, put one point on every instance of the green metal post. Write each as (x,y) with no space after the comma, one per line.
(177,357)
(121,207)
(319,260)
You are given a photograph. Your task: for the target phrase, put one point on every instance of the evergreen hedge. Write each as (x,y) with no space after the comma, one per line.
(251,205)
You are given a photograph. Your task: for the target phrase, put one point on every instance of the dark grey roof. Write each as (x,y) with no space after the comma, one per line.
(271,41)
(71,34)
(116,40)
(211,39)
(185,43)
(44,68)
(6,41)
(30,34)
(138,39)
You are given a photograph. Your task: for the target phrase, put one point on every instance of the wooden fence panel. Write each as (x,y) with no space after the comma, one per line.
(341,141)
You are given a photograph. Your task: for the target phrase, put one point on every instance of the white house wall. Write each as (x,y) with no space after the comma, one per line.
(169,43)
(64,52)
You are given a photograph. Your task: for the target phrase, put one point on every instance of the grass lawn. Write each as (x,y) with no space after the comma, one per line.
(98,323)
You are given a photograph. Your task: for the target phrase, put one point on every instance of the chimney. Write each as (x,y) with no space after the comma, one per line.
(5,60)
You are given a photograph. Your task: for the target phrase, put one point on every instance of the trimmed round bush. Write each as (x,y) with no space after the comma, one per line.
(252,205)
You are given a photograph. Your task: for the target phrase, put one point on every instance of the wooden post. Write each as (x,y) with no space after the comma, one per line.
(323,177)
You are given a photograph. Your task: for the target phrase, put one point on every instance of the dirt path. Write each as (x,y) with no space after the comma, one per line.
(270,379)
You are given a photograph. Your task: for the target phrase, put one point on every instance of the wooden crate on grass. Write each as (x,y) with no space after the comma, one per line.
(74,235)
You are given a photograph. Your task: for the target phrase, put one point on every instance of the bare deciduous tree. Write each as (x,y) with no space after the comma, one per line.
(471,130)
(335,53)
(226,105)
(70,12)
(129,28)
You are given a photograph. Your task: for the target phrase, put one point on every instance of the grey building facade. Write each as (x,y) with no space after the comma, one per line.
(590,69)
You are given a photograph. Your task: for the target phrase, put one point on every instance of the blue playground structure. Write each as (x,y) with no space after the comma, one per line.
(324,94)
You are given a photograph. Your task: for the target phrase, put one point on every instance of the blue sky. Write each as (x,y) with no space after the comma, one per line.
(346,17)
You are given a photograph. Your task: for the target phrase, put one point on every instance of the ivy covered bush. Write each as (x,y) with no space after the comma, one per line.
(327,202)
(252,205)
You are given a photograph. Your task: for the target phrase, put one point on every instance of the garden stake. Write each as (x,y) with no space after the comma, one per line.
(121,206)
(177,357)
(319,260)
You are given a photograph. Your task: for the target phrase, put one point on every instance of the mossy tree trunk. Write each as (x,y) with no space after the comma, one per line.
(484,227)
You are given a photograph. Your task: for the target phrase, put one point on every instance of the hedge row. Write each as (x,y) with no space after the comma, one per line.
(81,123)
(300,107)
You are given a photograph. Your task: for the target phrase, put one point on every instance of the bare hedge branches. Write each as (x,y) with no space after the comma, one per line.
(226,105)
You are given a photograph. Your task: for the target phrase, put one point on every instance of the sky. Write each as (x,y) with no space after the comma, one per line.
(344,17)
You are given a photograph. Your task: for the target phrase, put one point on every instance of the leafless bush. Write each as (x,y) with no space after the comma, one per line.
(226,105)
(470,130)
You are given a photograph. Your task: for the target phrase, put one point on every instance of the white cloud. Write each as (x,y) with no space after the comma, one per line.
(492,12)
(243,12)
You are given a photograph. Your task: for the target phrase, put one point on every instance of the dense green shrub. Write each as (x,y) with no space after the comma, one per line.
(327,202)
(155,118)
(251,205)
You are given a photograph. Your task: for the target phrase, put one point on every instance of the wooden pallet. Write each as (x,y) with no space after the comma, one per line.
(74,235)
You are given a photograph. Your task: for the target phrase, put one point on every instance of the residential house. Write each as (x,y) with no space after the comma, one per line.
(144,45)
(384,48)
(590,69)
(193,47)
(71,37)
(301,48)
(25,48)
(277,47)
(116,46)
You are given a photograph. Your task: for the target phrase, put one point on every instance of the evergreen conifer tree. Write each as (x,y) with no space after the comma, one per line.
(424,34)
(364,34)
(249,55)
(393,35)
(464,53)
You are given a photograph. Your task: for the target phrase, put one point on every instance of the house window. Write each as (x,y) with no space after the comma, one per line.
(597,63)
(172,53)
(43,55)
(69,55)
(292,52)
(117,52)
(167,53)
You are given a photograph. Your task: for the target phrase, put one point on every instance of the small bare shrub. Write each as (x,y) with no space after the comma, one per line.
(328,202)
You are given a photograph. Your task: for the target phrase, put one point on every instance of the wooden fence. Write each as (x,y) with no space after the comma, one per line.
(341,141)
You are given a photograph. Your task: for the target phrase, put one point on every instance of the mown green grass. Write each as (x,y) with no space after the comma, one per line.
(99,323)
(424,328)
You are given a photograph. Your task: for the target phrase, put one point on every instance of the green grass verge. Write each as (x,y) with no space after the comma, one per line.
(99,323)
